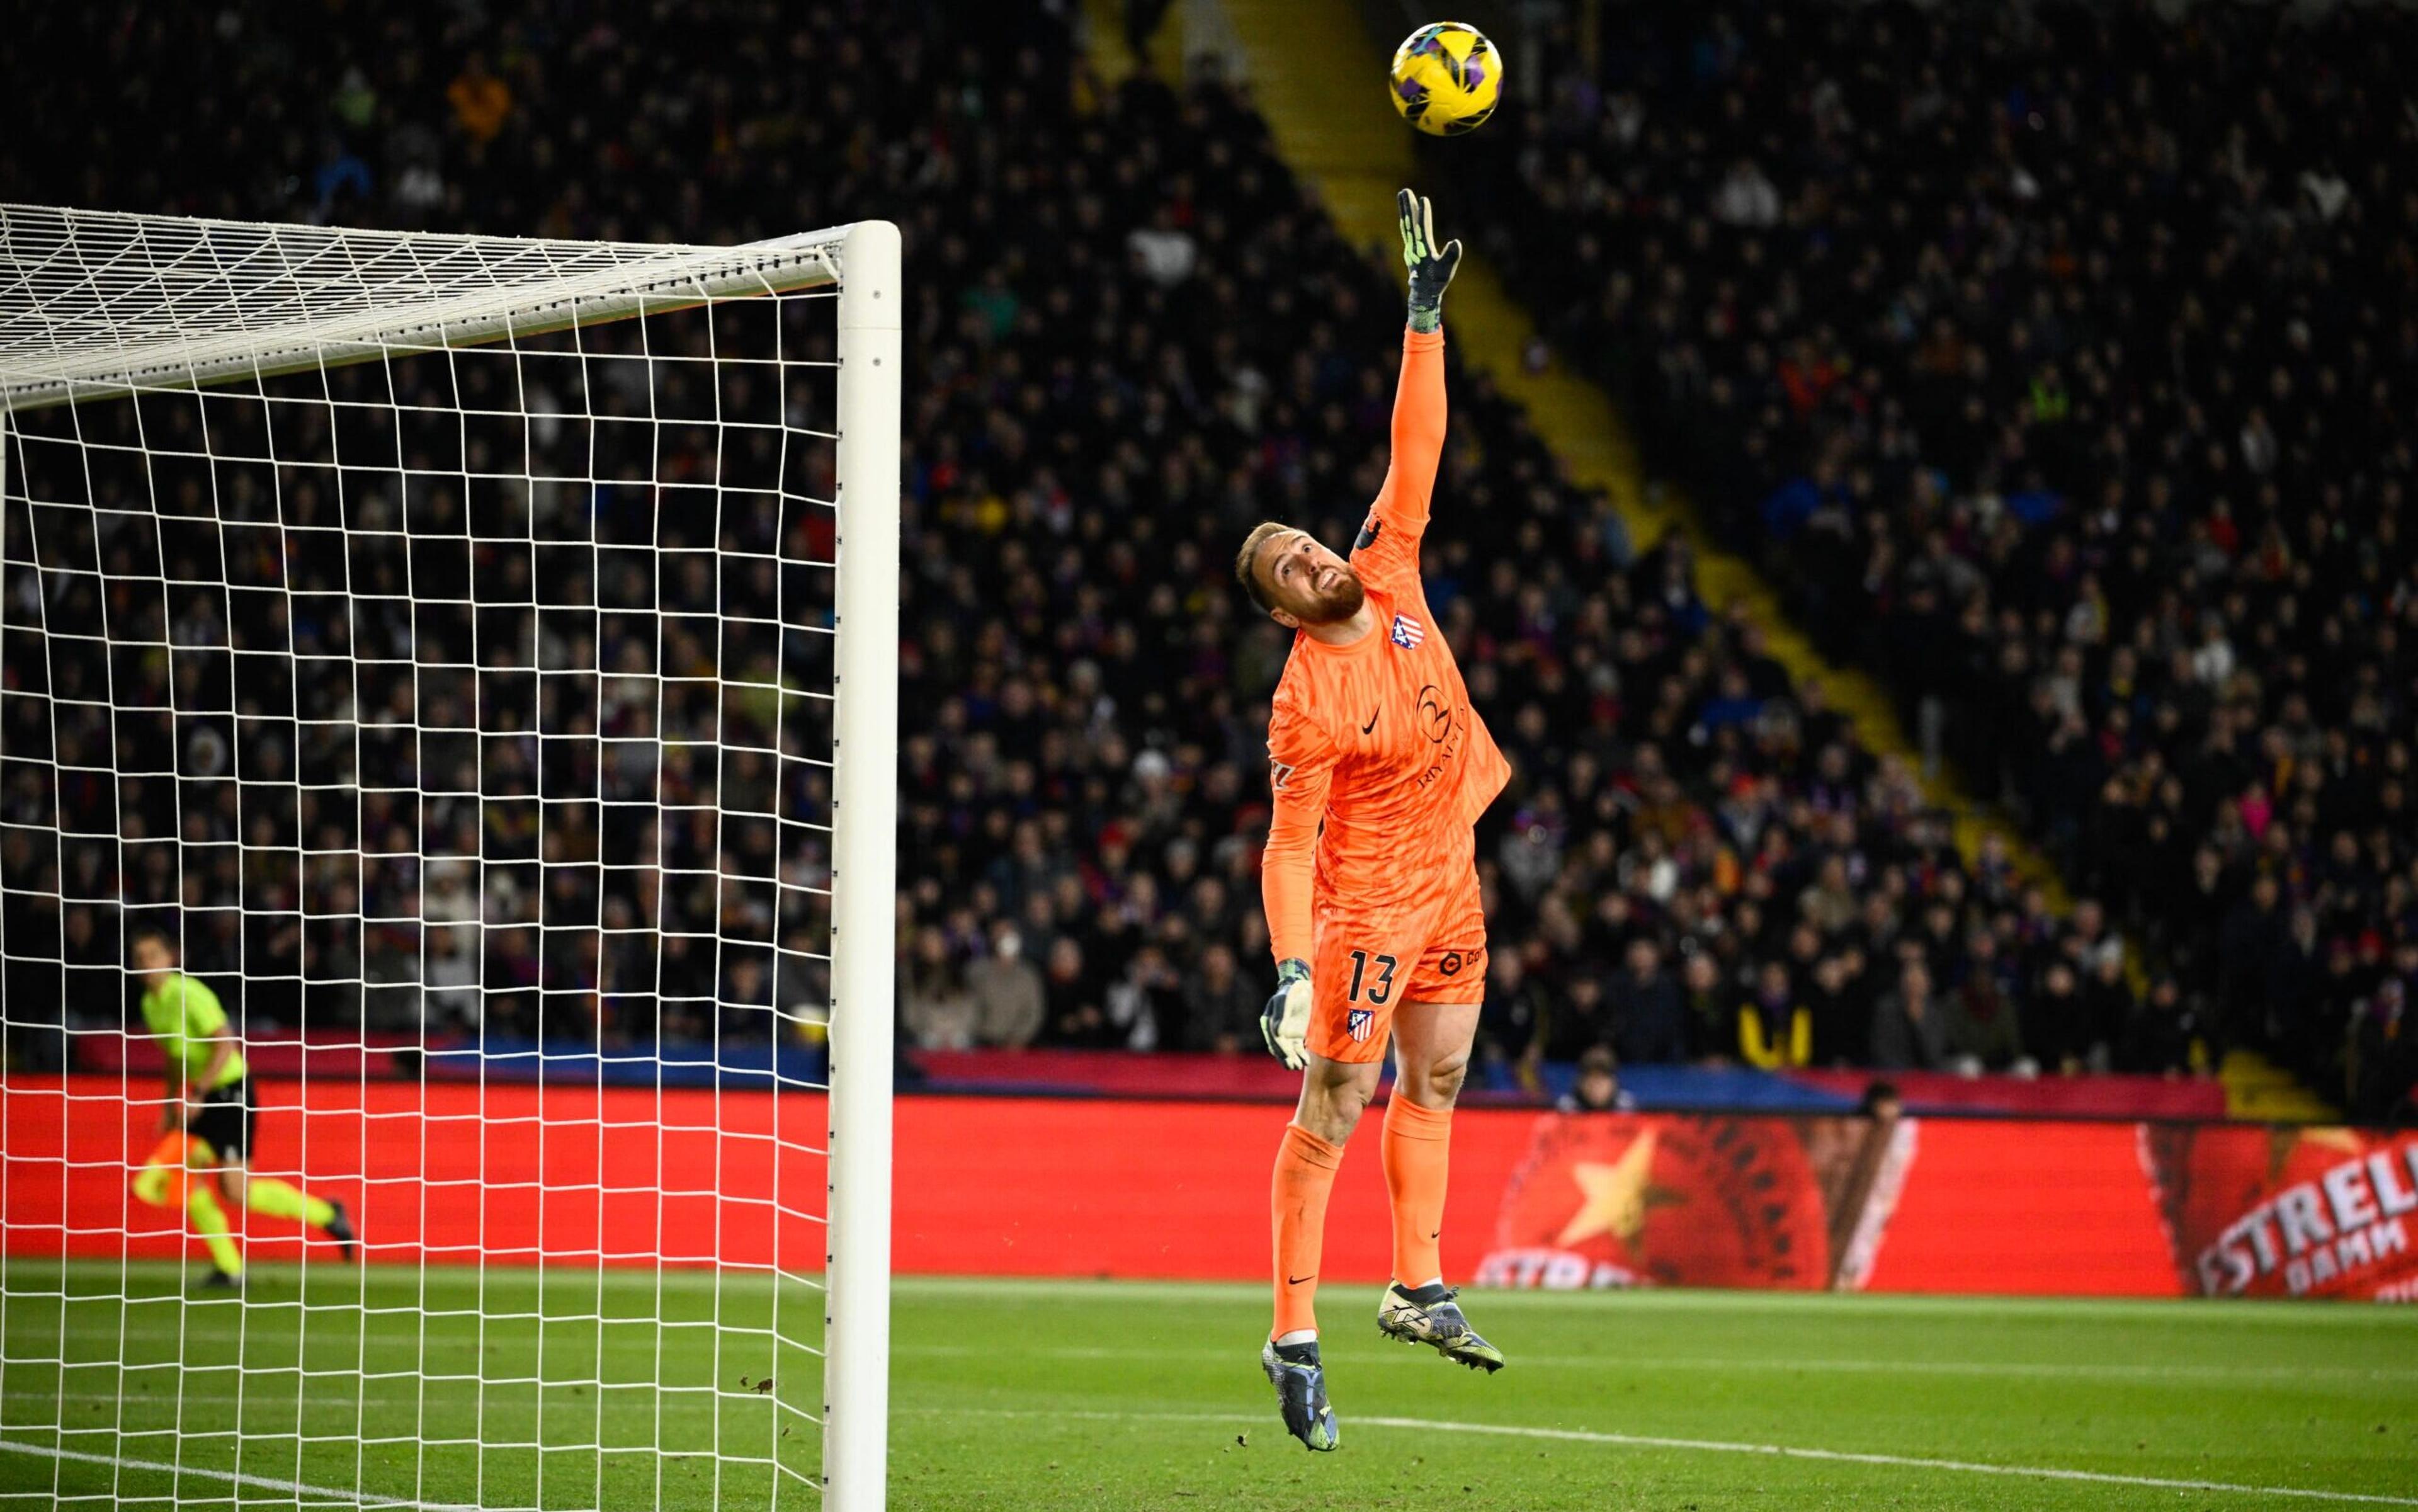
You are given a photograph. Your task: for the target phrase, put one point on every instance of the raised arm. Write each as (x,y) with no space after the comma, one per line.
(1419,413)
(1390,538)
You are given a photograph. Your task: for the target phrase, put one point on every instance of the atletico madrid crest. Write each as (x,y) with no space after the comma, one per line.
(1360,1022)
(1407,633)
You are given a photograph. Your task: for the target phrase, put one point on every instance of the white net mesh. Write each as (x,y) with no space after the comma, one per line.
(447,678)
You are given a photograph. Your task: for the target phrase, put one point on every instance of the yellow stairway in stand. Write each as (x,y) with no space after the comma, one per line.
(1104,40)
(2258,1087)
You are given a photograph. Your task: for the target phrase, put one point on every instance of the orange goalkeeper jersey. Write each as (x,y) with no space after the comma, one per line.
(1376,741)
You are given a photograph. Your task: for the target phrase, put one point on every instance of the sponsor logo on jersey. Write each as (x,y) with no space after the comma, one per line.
(1360,1022)
(1435,714)
(1407,633)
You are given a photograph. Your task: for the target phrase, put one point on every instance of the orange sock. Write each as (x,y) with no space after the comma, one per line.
(1417,1152)
(1306,1167)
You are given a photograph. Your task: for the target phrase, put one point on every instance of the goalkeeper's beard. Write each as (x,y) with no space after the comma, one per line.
(1334,602)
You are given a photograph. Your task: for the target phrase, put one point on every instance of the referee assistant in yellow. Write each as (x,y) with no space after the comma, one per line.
(207,1119)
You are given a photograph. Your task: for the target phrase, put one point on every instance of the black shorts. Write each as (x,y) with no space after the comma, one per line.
(225,1120)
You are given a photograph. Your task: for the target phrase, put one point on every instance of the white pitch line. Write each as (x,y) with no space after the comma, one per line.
(1970,1467)
(292,1487)
(1776,1451)
(2051,1369)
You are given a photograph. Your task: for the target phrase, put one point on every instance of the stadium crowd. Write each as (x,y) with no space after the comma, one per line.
(1130,339)
(2057,361)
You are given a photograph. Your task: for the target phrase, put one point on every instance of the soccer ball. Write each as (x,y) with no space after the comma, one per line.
(1447,77)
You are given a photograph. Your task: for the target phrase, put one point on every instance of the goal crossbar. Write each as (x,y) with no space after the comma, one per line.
(98,304)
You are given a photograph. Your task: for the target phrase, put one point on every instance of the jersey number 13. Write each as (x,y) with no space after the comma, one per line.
(1379,989)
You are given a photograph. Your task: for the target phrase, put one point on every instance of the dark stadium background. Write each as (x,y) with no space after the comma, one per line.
(2049,365)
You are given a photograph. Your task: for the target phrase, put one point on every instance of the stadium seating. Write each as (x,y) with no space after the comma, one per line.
(1130,339)
(2056,362)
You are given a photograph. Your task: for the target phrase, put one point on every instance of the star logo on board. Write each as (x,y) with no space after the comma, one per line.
(1615,1194)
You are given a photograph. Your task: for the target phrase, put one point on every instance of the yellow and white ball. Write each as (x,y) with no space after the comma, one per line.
(1447,78)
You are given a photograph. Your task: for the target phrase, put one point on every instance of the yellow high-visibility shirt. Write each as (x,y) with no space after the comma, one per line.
(185,1015)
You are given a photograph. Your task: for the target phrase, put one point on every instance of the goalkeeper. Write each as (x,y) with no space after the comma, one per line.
(1379,767)
(206,1124)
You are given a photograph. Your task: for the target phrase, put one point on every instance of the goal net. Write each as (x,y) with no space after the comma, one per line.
(436,652)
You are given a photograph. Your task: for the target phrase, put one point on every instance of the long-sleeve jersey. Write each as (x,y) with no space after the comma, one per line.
(1375,757)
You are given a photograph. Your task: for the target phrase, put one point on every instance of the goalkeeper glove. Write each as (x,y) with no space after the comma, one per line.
(1284,1023)
(1432,267)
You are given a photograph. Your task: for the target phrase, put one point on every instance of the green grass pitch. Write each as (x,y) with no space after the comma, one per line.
(1070,1394)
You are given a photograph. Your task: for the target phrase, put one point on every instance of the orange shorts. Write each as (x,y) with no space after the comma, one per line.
(1369,961)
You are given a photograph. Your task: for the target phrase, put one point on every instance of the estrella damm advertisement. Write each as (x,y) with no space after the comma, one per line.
(2253,1211)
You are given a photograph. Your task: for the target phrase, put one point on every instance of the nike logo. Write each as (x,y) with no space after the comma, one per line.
(1373,722)
(1438,1234)
(1296,1280)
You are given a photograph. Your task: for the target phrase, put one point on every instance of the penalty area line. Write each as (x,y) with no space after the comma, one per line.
(298,1489)
(1773,1451)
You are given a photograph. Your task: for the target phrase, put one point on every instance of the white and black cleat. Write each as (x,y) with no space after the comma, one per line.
(1427,1315)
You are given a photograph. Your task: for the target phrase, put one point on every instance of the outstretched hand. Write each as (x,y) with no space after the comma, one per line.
(1430,266)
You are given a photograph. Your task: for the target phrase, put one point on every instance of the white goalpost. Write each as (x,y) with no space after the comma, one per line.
(445,649)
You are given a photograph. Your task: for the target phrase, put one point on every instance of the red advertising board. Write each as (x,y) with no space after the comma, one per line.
(1039,1187)
(2297,1213)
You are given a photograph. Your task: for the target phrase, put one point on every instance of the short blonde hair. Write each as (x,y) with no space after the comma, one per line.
(1247,560)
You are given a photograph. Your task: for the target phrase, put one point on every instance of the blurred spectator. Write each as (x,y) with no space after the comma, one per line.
(1146,1006)
(1840,1009)
(1647,1022)
(1710,1007)
(1221,1011)
(1880,1100)
(2157,1036)
(1075,1018)
(1774,1030)
(2064,1037)
(934,1006)
(1908,1032)
(1517,1007)
(1009,1000)
(1981,1028)
(1598,1088)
